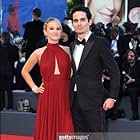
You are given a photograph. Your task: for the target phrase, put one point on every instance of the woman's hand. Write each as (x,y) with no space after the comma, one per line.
(39,89)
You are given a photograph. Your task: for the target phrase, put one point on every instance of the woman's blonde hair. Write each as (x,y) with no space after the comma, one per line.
(49,20)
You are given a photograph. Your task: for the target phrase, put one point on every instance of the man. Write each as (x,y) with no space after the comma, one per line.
(88,98)
(131,77)
(8,56)
(33,34)
(117,45)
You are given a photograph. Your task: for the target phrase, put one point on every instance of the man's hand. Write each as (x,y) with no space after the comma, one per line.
(108,104)
(131,80)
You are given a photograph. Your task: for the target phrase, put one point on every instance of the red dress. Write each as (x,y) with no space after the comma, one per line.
(53,113)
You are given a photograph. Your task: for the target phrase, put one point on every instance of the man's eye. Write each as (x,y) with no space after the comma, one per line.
(82,19)
(75,20)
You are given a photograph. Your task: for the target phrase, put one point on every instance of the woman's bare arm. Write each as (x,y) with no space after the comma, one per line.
(31,62)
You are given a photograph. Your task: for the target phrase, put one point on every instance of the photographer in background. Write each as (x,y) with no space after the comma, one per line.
(131,79)
(8,55)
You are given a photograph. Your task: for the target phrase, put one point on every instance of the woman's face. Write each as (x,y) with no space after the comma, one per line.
(53,31)
(104,10)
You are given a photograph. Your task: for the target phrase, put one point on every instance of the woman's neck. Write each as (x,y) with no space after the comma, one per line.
(52,42)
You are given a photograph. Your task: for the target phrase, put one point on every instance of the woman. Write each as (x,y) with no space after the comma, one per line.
(12,19)
(105,10)
(53,114)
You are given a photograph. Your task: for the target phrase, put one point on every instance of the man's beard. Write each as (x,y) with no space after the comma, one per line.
(131,61)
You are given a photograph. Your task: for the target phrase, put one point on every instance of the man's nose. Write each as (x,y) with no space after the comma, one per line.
(79,22)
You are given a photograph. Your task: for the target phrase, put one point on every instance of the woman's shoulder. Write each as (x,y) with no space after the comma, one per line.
(40,50)
(66,49)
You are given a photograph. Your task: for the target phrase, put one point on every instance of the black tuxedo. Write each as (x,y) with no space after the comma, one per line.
(122,47)
(90,93)
(8,55)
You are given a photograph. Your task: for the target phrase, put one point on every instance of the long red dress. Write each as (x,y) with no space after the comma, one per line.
(53,112)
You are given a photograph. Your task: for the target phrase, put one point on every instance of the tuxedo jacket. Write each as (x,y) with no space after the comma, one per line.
(8,55)
(122,45)
(95,58)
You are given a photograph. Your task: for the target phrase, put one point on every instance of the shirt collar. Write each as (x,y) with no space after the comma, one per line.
(87,36)
(117,38)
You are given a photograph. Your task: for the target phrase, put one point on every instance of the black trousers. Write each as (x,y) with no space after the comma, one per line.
(133,93)
(88,120)
(9,99)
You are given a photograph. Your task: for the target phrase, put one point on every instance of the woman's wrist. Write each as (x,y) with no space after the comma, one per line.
(35,89)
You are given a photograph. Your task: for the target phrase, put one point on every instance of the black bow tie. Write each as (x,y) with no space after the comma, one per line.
(81,42)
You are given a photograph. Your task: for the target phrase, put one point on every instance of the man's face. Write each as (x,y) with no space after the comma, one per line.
(104,10)
(131,57)
(80,22)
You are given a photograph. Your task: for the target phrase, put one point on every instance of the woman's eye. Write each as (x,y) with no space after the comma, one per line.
(51,28)
(58,28)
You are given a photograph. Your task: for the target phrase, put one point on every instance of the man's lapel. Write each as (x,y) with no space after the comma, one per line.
(72,58)
(86,50)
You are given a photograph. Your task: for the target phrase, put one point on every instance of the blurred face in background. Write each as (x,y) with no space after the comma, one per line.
(104,10)
(131,57)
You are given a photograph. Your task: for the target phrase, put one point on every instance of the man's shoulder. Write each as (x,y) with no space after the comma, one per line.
(31,23)
(38,22)
(100,37)
(97,38)
(138,63)
(27,24)
(72,44)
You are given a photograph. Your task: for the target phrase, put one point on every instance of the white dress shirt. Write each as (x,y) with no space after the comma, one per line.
(78,50)
(114,47)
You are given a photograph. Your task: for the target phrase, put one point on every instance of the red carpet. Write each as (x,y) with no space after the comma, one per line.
(14,137)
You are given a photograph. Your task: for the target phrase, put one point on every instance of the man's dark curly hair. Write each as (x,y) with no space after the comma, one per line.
(80,8)
(130,50)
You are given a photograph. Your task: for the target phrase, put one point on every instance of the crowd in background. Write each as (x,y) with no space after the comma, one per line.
(124,42)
